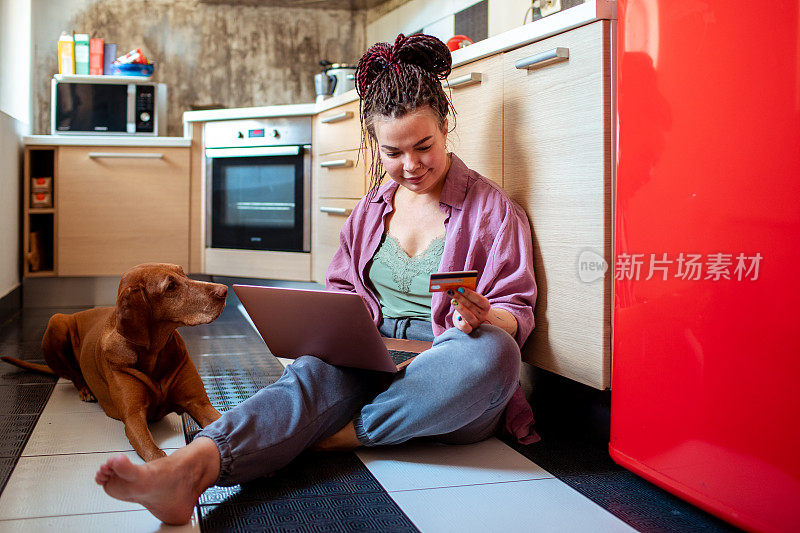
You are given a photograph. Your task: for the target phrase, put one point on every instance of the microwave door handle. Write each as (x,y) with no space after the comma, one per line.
(131,108)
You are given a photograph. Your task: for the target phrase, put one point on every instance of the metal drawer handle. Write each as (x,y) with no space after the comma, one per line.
(338,117)
(98,155)
(337,163)
(543,59)
(335,210)
(465,81)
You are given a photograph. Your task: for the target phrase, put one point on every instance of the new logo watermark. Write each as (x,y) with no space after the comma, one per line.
(591,266)
(684,266)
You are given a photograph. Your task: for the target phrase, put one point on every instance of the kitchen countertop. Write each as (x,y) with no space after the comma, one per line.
(537,30)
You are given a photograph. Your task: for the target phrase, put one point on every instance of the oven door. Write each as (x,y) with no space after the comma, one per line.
(259,198)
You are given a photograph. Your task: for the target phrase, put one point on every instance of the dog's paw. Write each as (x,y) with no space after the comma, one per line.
(86,395)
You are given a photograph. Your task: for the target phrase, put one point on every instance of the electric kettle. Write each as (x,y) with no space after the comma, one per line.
(335,78)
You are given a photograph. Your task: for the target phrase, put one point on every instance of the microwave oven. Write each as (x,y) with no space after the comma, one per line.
(107,106)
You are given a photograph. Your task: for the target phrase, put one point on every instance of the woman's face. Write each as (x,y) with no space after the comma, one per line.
(412,150)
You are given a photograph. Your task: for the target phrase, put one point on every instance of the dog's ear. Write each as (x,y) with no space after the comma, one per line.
(133,315)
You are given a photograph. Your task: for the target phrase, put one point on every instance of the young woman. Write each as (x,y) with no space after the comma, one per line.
(433,214)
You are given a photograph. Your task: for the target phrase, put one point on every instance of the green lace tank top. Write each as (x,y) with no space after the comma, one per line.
(401,282)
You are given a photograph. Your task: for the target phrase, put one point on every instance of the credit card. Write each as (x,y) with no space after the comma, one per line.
(443,281)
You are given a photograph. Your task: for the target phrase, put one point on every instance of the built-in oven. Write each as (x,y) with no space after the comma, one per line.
(258,184)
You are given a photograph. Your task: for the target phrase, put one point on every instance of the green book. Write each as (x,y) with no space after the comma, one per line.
(82,54)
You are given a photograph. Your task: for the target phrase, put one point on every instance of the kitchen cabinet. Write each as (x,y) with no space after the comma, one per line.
(338,181)
(476,90)
(337,129)
(557,164)
(341,174)
(116,207)
(330,215)
(38,214)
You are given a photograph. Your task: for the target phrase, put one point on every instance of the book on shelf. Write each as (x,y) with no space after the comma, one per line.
(66,54)
(96,57)
(81,54)
(109,54)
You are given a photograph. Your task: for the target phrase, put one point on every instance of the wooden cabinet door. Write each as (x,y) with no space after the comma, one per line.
(337,129)
(340,175)
(330,215)
(557,163)
(119,206)
(476,90)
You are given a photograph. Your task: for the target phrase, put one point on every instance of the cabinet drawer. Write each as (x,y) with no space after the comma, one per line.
(557,165)
(330,215)
(340,175)
(118,207)
(476,90)
(337,129)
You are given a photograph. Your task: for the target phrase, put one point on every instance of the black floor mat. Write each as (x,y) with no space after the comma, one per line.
(26,399)
(23,394)
(317,491)
(586,466)
(353,513)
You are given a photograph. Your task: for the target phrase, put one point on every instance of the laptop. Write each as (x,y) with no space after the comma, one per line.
(333,326)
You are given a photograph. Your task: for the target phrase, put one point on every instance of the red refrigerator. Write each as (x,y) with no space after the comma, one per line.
(706,323)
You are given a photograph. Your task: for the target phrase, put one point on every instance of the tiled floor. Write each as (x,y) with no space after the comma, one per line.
(564,483)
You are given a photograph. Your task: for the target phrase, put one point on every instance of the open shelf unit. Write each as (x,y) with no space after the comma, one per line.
(39,223)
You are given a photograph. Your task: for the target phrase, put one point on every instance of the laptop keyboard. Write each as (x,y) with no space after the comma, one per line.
(398,356)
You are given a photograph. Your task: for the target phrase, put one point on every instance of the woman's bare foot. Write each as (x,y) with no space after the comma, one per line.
(168,487)
(343,440)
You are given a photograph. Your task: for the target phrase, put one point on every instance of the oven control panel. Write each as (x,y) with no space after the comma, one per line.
(258,132)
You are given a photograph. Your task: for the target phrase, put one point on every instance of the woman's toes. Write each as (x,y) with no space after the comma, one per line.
(123,467)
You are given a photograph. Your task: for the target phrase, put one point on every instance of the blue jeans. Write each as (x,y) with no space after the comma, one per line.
(455,393)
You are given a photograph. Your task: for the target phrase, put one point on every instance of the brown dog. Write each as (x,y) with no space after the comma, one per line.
(130,358)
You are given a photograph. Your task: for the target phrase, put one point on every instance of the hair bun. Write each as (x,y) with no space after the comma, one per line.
(424,51)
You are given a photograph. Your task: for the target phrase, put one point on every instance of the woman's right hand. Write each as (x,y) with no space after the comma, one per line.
(473,309)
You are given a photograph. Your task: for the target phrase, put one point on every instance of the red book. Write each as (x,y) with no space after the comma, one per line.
(96,56)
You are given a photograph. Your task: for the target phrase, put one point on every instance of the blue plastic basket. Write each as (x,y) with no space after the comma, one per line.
(132,69)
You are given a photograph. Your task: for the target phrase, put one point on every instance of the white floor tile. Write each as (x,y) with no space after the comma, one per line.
(64,399)
(125,521)
(429,465)
(522,506)
(58,485)
(64,433)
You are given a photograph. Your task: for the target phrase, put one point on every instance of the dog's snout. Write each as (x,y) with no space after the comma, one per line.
(221,291)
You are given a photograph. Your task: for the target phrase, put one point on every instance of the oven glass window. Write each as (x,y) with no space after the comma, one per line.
(257,202)
(260,196)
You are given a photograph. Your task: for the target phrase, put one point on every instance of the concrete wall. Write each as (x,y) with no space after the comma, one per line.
(229,54)
(15,111)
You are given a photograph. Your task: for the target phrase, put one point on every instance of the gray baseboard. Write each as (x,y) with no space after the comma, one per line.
(10,304)
(69,292)
(77,292)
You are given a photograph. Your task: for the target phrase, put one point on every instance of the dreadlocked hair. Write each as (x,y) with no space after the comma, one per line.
(394,80)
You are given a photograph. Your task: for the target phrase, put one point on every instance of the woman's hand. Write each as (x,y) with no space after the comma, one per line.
(472,309)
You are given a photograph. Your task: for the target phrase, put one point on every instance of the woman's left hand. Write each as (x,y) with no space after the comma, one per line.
(471,309)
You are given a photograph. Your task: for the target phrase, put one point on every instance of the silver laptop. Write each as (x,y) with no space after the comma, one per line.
(333,326)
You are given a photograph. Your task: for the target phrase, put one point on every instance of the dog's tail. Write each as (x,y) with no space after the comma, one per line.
(44,369)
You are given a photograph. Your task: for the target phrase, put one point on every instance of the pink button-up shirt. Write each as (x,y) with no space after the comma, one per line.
(485,231)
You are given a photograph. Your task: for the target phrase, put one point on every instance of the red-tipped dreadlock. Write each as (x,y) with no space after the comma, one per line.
(393,80)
